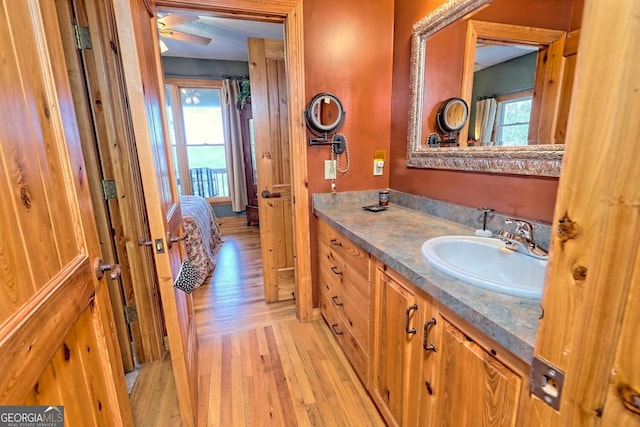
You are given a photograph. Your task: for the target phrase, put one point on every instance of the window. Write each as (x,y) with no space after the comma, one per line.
(512,120)
(194,116)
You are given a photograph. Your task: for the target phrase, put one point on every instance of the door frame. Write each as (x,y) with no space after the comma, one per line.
(289,13)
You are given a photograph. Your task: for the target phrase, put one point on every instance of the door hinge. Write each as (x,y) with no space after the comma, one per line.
(130,313)
(109,189)
(83,37)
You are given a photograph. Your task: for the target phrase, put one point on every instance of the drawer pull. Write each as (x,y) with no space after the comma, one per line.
(336,271)
(335,301)
(425,338)
(336,242)
(335,331)
(408,315)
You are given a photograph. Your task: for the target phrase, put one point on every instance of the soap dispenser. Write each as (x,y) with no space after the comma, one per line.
(484,232)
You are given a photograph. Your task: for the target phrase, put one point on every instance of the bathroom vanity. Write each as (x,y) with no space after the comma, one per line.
(427,346)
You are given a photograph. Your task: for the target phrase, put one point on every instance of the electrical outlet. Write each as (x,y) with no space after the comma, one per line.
(329,169)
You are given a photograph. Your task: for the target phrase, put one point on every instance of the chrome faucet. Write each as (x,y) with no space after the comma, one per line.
(521,240)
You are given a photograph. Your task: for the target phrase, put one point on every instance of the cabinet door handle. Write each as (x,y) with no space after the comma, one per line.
(335,330)
(336,271)
(425,338)
(336,242)
(408,315)
(335,301)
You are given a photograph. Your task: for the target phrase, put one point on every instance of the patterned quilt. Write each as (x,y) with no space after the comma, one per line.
(201,244)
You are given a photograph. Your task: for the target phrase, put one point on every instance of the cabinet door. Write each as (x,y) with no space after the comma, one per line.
(398,316)
(473,388)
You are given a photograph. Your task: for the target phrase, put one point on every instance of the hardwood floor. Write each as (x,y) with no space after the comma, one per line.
(258,365)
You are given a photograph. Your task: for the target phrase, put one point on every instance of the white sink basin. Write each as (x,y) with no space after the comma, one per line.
(486,263)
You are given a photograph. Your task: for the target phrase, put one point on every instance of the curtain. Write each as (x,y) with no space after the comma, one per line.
(485,117)
(233,142)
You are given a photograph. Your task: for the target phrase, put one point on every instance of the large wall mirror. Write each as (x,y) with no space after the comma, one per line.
(513,63)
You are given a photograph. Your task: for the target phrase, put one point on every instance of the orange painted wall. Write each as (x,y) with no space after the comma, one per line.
(530,197)
(348,52)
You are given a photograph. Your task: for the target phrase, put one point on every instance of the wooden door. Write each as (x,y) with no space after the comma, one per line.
(548,84)
(273,163)
(57,339)
(109,150)
(137,32)
(589,331)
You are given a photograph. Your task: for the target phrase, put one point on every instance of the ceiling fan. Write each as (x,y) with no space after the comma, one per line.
(166,24)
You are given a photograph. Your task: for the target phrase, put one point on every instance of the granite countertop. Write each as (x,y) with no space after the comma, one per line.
(395,237)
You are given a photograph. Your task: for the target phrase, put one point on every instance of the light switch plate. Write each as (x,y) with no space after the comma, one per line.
(329,169)
(378,166)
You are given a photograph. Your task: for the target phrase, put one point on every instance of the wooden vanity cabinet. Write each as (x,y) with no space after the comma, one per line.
(345,295)
(473,386)
(402,369)
(422,364)
(451,376)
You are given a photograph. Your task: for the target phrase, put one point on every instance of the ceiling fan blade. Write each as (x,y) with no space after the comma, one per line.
(185,37)
(176,19)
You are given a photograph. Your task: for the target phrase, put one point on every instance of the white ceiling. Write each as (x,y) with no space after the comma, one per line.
(229,41)
(492,54)
(228,37)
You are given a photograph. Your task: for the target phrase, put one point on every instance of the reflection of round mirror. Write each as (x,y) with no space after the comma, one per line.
(452,115)
(324,114)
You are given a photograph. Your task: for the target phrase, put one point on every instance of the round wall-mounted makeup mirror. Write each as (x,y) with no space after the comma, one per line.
(452,115)
(324,115)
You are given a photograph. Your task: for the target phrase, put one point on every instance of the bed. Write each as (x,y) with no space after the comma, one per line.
(202,242)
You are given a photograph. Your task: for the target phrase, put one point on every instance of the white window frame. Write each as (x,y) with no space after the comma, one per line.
(504,100)
(181,144)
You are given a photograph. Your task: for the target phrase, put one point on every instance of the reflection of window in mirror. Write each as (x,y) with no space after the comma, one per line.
(504,72)
(512,119)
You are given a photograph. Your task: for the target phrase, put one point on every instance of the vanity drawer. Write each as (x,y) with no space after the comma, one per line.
(334,270)
(352,254)
(353,350)
(355,316)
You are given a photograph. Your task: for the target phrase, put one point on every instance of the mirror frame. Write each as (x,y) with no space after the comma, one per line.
(538,160)
(319,129)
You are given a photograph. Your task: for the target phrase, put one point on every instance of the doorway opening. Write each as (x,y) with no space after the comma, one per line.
(194,32)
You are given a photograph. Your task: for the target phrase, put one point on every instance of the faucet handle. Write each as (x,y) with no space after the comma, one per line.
(523,228)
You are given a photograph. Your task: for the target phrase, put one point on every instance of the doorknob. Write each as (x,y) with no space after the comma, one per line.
(100,269)
(266,194)
(172,240)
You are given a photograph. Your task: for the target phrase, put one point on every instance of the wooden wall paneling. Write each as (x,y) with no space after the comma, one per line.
(290,12)
(593,272)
